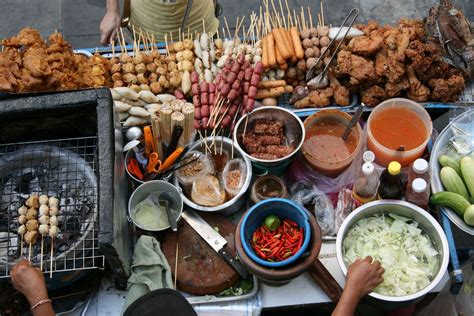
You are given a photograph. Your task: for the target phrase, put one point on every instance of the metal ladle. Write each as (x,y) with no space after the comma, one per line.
(321,80)
(353,122)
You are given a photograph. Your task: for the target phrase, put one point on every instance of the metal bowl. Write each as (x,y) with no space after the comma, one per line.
(425,221)
(234,204)
(145,189)
(294,130)
(465,121)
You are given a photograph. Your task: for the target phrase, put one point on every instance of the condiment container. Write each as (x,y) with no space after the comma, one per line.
(418,193)
(330,167)
(392,182)
(268,186)
(384,155)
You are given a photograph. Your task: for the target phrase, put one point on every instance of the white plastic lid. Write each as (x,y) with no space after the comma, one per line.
(418,185)
(368,156)
(420,166)
(368,168)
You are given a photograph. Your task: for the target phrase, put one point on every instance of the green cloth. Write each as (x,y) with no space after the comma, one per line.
(150,270)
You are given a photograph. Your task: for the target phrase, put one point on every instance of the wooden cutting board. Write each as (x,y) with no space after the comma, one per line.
(201,270)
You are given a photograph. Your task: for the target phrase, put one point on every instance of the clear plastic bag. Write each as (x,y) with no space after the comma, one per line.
(344,207)
(208,191)
(308,195)
(234,176)
(202,167)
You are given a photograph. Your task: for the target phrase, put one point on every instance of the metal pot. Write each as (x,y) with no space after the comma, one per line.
(234,204)
(426,222)
(294,131)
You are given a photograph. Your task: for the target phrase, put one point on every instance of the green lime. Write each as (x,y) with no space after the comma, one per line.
(272,222)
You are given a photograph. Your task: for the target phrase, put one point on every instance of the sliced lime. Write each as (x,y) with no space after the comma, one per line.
(272,222)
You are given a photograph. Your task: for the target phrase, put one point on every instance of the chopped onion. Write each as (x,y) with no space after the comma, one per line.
(406,253)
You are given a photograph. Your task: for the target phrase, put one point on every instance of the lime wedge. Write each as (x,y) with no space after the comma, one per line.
(272,222)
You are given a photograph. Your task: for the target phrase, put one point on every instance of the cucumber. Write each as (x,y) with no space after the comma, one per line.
(454,201)
(467,170)
(452,182)
(446,161)
(469,215)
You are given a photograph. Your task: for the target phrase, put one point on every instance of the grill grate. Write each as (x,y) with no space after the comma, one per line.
(66,169)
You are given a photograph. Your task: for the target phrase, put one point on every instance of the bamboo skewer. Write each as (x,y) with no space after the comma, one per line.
(42,248)
(176,261)
(322,13)
(51,259)
(29,252)
(310,17)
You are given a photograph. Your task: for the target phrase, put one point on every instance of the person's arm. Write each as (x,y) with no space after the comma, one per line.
(110,23)
(30,282)
(362,277)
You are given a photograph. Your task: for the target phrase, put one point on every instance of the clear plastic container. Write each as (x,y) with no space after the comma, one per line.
(418,193)
(334,167)
(366,185)
(384,155)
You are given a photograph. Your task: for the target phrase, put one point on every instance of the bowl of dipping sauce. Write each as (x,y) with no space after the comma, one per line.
(398,130)
(324,148)
(145,209)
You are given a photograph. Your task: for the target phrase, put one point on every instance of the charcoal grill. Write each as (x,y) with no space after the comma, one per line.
(65,145)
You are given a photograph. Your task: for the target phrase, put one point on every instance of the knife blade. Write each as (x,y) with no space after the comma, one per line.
(214,239)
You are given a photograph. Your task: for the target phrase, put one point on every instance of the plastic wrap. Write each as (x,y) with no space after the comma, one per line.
(233,177)
(344,207)
(308,195)
(202,167)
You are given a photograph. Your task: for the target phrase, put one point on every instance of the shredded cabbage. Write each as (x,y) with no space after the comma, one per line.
(406,253)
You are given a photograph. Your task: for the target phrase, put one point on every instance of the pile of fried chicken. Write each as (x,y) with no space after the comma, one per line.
(388,62)
(397,61)
(28,63)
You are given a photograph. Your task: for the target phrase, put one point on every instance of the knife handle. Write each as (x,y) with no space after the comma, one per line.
(234,263)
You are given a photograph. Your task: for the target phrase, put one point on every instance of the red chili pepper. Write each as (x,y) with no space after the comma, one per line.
(292,223)
(262,255)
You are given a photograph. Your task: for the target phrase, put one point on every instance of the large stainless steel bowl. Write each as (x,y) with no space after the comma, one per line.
(294,131)
(422,217)
(465,122)
(234,204)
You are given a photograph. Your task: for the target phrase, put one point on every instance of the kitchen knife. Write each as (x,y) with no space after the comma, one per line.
(216,241)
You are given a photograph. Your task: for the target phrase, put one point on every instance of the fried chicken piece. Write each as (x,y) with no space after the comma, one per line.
(373,95)
(421,55)
(34,60)
(447,90)
(28,82)
(355,66)
(7,80)
(341,93)
(414,28)
(321,97)
(417,92)
(369,27)
(367,45)
(387,66)
(395,89)
(29,37)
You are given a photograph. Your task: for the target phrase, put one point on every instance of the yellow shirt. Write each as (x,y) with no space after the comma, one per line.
(161,17)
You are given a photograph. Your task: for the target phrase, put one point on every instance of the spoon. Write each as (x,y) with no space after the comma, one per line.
(165,200)
(353,122)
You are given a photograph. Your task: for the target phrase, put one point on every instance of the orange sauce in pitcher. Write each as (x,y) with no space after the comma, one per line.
(397,127)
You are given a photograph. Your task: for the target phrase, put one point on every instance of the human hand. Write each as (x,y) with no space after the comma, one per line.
(29,281)
(108,26)
(363,276)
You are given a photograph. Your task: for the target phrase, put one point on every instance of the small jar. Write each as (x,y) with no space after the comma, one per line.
(268,186)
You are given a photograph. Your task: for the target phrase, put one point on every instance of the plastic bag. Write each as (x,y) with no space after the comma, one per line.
(344,207)
(234,176)
(202,167)
(208,191)
(308,195)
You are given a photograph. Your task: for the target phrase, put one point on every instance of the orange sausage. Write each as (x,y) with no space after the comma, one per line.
(265,52)
(280,39)
(289,43)
(279,57)
(271,51)
(295,37)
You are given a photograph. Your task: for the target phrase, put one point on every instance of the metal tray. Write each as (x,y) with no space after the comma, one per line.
(467,119)
(211,299)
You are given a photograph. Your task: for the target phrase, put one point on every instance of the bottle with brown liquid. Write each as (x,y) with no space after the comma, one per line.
(365,187)
(418,193)
(392,182)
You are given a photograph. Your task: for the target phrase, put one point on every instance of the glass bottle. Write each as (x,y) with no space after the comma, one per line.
(392,182)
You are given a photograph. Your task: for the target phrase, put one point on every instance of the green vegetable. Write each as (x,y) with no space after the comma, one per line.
(454,201)
(452,182)
(467,170)
(272,222)
(469,215)
(407,254)
(446,161)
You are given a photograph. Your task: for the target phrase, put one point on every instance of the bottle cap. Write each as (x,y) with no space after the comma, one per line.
(368,156)
(394,168)
(419,185)
(368,168)
(420,166)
